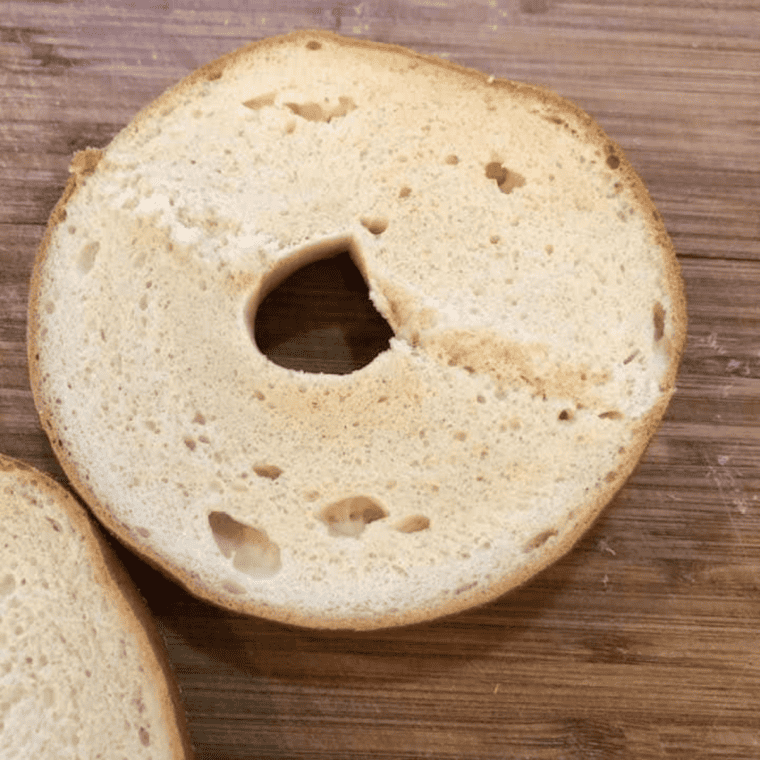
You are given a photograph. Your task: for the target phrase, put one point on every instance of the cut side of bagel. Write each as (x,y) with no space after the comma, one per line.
(83,672)
(535,299)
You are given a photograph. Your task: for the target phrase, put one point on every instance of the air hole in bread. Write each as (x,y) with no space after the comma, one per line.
(628,359)
(375,224)
(497,172)
(405,192)
(313,45)
(308,111)
(452,160)
(326,111)
(613,414)
(271,471)
(233,588)
(144,737)
(87,257)
(249,548)
(565,415)
(318,318)
(349,517)
(413,524)
(506,180)
(539,540)
(658,318)
(54,524)
(260,101)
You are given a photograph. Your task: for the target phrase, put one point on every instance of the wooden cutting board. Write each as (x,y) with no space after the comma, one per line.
(644,641)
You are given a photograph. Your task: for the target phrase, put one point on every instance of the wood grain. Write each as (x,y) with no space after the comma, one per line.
(644,641)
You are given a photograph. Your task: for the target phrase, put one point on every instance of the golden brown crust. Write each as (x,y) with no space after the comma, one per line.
(554,108)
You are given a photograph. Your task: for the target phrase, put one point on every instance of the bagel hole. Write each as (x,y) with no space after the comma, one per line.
(349,517)
(319,318)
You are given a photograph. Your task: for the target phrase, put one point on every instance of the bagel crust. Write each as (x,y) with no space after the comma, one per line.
(535,298)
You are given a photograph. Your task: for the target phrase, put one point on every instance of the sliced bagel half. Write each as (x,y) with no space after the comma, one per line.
(536,304)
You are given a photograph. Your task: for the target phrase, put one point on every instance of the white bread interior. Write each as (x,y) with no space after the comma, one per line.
(82,671)
(535,297)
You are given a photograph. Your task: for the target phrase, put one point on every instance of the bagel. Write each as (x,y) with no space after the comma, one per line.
(84,672)
(535,300)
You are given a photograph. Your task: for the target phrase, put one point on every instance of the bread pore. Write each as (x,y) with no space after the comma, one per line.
(535,300)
